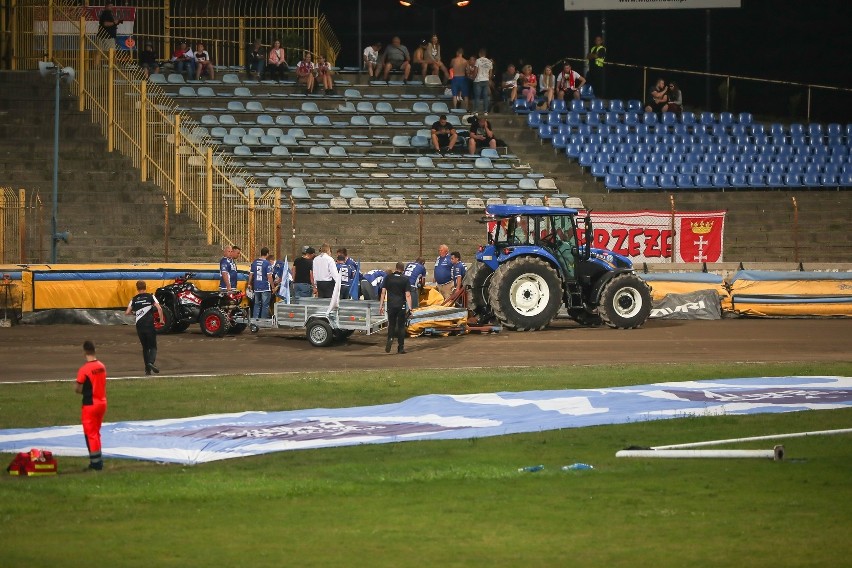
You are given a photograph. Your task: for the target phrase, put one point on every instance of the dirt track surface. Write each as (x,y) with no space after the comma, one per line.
(45,352)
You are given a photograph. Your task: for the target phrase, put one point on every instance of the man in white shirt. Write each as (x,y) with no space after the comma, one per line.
(371,58)
(325,273)
(568,83)
(482,82)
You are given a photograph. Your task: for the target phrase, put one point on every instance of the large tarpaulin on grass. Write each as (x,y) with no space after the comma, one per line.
(435,417)
(791,294)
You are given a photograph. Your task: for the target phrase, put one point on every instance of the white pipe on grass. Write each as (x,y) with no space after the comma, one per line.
(775,454)
(755,438)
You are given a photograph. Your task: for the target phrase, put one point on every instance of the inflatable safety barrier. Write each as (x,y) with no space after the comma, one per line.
(791,294)
(664,283)
(93,286)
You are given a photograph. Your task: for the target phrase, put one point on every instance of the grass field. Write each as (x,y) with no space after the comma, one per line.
(452,503)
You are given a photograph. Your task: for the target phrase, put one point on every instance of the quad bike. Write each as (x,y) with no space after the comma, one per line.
(184,304)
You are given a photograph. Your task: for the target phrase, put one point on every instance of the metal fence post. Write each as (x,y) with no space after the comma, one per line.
(143,132)
(111,101)
(177,164)
(293,225)
(673,230)
(22,224)
(81,66)
(209,195)
(165,229)
(252,220)
(277,223)
(50,30)
(2,225)
(795,230)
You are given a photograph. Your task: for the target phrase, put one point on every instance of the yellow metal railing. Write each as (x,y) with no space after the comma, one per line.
(16,221)
(167,146)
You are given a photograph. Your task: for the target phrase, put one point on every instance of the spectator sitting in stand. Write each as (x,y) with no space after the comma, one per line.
(675,99)
(418,58)
(203,62)
(306,73)
(371,58)
(444,135)
(148,60)
(481,134)
(547,85)
(324,74)
(569,83)
(509,84)
(529,84)
(184,60)
(255,59)
(433,59)
(657,97)
(276,61)
(396,56)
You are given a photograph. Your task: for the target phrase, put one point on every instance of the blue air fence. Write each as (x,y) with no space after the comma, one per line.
(767,99)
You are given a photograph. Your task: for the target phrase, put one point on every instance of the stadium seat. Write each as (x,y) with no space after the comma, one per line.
(613,181)
(534,119)
(559,106)
(726,119)
(577,107)
(649,118)
(649,181)
(745,118)
(720,180)
(631,182)
(586,92)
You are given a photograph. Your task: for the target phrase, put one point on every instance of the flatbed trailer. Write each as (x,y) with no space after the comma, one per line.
(322,326)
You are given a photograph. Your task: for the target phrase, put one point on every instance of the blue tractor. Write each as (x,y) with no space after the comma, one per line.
(533,265)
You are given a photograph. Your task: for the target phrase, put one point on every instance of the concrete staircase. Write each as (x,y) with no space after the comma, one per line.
(112,216)
(759,224)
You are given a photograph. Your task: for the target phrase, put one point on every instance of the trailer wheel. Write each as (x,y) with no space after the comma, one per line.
(526,294)
(320,333)
(625,302)
(214,322)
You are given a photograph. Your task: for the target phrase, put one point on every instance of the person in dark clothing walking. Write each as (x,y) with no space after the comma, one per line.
(396,295)
(143,306)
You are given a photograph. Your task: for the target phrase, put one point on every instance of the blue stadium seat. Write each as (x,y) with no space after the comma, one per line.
(633,169)
(597,105)
(612,118)
(586,92)
(757,180)
(593,118)
(559,105)
(534,119)
(726,119)
(685,181)
(586,159)
(649,118)
(632,118)
(553,118)
(774,180)
(613,181)
(687,118)
(706,168)
(577,106)
(545,132)
(745,118)
(520,107)
(845,179)
(815,132)
(793,180)
(811,180)
(649,181)
(631,182)
(559,141)
(721,180)
(703,181)
(615,168)
(572,150)
(707,118)
(599,170)
(667,181)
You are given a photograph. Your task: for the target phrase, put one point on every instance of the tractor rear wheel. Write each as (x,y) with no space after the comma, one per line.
(625,302)
(475,283)
(526,294)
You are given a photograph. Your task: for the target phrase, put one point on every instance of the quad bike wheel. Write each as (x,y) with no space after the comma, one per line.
(167,323)
(214,322)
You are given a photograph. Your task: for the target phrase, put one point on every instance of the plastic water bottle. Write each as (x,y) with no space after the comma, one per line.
(576,466)
(531,468)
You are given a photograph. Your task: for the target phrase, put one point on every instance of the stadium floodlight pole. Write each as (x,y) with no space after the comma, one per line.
(58,73)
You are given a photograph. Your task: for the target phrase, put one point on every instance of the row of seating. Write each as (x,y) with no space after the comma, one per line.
(707,153)
(311,107)
(319,120)
(724,181)
(616,137)
(472,204)
(600,169)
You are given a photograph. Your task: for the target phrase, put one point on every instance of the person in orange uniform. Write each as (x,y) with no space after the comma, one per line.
(91,383)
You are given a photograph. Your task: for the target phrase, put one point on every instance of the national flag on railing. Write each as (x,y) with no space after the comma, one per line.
(355,284)
(284,287)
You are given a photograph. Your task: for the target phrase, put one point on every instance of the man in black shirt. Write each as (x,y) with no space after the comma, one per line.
(303,274)
(443,134)
(481,135)
(143,305)
(107,31)
(396,294)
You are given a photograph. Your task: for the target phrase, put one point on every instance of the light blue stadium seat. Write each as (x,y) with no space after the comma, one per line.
(302,120)
(745,118)
(599,170)
(720,180)
(649,181)
(613,182)
(534,119)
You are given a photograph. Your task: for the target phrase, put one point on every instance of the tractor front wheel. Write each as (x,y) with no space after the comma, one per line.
(625,302)
(526,294)
(476,282)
